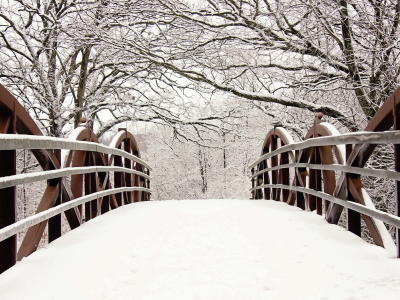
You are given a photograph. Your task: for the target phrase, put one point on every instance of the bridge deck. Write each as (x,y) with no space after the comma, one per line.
(220,249)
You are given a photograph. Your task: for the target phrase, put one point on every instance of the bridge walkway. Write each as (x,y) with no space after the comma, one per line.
(206,249)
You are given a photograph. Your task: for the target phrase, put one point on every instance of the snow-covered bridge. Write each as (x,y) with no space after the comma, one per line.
(197,249)
(206,249)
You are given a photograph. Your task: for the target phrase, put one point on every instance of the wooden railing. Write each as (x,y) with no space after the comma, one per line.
(328,166)
(84,178)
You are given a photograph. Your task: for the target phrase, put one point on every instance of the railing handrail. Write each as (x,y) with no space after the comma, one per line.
(272,176)
(13,229)
(362,137)
(14,180)
(335,167)
(374,213)
(93,169)
(141,170)
(18,141)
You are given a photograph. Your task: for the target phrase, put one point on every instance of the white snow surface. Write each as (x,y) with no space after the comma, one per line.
(206,249)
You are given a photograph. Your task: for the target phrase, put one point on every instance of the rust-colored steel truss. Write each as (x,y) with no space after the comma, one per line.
(313,169)
(15,120)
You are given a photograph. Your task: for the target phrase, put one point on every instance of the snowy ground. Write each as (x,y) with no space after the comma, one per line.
(206,249)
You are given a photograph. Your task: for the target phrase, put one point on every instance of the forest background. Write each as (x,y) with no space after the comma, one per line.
(200,82)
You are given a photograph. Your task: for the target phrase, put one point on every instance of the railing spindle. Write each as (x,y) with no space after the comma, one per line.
(353,217)
(396,125)
(252,184)
(274,162)
(54,226)
(8,247)
(105,205)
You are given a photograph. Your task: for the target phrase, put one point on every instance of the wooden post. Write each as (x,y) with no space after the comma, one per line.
(299,195)
(285,175)
(54,225)
(396,125)
(256,192)
(88,205)
(267,191)
(312,203)
(353,217)
(136,194)
(148,185)
(252,184)
(317,160)
(274,163)
(318,181)
(259,181)
(105,205)
(8,247)
(127,163)
(118,177)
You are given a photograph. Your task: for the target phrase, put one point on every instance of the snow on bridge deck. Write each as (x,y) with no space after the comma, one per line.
(206,249)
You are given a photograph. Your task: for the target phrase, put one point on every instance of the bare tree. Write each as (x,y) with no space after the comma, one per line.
(215,168)
(50,63)
(284,52)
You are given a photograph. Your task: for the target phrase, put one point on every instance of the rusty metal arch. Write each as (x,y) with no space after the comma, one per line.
(346,187)
(11,111)
(281,176)
(279,132)
(91,183)
(356,189)
(15,119)
(383,120)
(386,117)
(277,176)
(125,138)
(312,178)
(120,137)
(94,182)
(326,129)
(67,193)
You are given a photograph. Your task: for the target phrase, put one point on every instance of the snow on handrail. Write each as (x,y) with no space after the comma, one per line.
(14,180)
(12,229)
(362,137)
(335,167)
(18,141)
(374,213)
